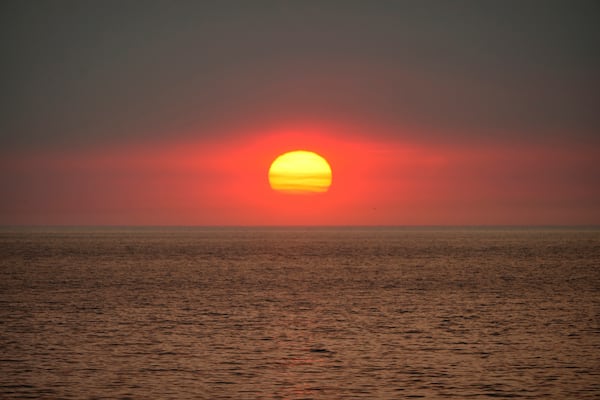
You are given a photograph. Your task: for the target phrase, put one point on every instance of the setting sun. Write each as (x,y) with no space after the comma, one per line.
(300,172)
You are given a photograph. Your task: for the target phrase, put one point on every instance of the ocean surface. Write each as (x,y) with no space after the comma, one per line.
(298,313)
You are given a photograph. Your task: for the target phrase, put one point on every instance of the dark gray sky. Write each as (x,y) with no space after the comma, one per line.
(77,73)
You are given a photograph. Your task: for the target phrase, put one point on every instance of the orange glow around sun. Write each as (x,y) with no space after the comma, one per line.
(300,172)
(226,182)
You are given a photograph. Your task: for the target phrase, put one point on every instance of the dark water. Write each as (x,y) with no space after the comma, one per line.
(322,313)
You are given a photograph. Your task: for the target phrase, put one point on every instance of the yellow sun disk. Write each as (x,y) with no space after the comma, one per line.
(300,172)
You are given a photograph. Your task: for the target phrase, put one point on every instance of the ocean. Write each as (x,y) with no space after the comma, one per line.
(299,313)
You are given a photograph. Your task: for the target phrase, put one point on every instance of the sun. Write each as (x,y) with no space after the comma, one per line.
(300,172)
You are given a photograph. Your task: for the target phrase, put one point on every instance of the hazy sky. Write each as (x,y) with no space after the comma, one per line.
(438,112)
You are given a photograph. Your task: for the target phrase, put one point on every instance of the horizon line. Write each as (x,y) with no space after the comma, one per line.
(364,226)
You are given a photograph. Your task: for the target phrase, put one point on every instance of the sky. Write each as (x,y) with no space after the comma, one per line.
(171,112)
